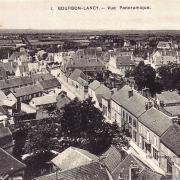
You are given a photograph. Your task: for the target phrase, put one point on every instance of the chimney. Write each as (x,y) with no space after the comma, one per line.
(130,93)
(148,105)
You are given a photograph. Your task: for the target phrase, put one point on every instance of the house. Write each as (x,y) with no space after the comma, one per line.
(133,168)
(112,158)
(26,93)
(106,103)
(93,65)
(73,157)
(20,57)
(44,101)
(8,102)
(96,91)
(90,171)
(10,167)
(168,102)
(164,45)
(152,124)
(120,64)
(126,106)
(163,57)
(7,84)
(22,70)
(78,80)
(6,139)
(41,77)
(50,85)
(170,151)
(9,67)
(62,100)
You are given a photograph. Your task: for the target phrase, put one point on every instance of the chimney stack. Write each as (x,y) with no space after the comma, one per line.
(130,93)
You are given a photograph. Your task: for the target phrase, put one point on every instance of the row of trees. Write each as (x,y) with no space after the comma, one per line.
(165,78)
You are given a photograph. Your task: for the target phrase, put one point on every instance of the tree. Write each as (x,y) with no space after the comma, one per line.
(144,76)
(169,76)
(40,138)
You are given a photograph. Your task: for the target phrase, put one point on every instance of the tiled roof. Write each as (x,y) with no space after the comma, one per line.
(94,85)
(169,97)
(15,82)
(27,90)
(43,100)
(171,139)
(156,121)
(91,171)
(41,77)
(79,76)
(112,158)
(62,101)
(84,63)
(122,169)
(9,164)
(5,136)
(50,83)
(73,157)
(121,95)
(172,110)
(134,104)
(124,61)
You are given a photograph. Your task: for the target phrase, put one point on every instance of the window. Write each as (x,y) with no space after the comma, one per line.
(135,136)
(141,129)
(169,166)
(155,141)
(130,120)
(126,117)
(134,123)
(148,136)
(123,115)
(155,154)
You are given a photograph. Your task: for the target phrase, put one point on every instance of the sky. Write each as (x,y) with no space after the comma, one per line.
(38,14)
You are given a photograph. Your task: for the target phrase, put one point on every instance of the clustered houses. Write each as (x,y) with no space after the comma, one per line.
(148,128)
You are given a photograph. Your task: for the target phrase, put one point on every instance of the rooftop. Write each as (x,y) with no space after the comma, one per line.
(27,90)
(169,97)
(73,157)
(9,164)
(171,139)
(90,171)
(156,121)
(50,83)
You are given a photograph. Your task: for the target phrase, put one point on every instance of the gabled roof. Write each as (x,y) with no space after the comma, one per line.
(15,82)
(112,158)
(91,171)
(9,164)
(41,77)
(5,136)
(85,63)
(94,85)
(50,83)
(62,101)
(26,90)
(43,100)
(171,139)
(122,169)
(124,61)
(79,76)
(169,97)
(121,95)
(134,104)
(73,157)
(156,121)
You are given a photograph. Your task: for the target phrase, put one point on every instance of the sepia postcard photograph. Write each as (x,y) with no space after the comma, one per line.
(89,89)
